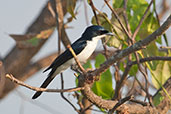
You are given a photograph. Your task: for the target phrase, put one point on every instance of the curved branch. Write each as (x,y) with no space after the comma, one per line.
(12,78)
(109,104)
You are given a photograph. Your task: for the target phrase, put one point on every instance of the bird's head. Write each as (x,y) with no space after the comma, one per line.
(95,31)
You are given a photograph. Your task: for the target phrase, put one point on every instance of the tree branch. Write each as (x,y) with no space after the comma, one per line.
(109,104)
(135,47)
(87,79)
(11,77)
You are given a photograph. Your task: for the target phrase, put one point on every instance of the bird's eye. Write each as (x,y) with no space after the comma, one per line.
(103,32)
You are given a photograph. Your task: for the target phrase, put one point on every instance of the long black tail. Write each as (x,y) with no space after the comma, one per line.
(44,85)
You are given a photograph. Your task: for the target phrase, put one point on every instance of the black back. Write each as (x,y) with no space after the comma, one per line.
(77,46)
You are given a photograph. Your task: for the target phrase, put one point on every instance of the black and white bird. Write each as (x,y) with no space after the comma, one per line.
(83,48)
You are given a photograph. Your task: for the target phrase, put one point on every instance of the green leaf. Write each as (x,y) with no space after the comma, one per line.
(121,38)
(157,99)
(87,65)
(113,42)
(162,73)
(133,71)
(149,25)
(118,3)
(135,11)
(152,50)
(103,87)
(70,7)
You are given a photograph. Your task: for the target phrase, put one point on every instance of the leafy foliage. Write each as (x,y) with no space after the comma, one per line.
(160,70)
(103,87)
(135,10)
(162,73)
(157,99)
(70,7)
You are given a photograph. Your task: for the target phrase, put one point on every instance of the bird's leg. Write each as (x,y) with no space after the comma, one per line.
(76,68)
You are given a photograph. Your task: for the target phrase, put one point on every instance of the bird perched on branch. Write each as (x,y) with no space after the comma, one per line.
(83,48)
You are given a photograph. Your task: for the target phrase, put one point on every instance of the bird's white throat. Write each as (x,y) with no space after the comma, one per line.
(89,49)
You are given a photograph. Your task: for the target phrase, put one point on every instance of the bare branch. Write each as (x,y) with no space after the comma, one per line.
(76,59)
(126,17)
(94,11)
(120,102)
(62,95)
(13,79)
(109,104)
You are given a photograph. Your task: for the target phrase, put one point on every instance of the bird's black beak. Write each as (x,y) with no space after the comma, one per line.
(110,34)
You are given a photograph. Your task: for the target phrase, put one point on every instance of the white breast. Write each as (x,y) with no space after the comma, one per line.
(87,51)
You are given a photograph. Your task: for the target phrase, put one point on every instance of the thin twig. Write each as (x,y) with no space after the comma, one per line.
(79,101)
(94,11)
(51,9)
(76,59)
(118,19)
(158,20)
(120,102)
(131,63)
(126,17)
(13,79)
(165,47)
(145,76)
(88,108)
(62,95)
(117,77)
(139,102)
(141,21)
(98,23)
(156,58)
(122,80)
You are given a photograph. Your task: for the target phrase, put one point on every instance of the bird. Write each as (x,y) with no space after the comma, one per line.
(83,48)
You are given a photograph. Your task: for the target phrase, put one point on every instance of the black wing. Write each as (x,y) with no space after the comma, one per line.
(77,46)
